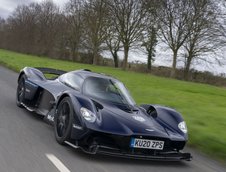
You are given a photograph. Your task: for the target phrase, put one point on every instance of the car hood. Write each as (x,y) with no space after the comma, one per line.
(116,119)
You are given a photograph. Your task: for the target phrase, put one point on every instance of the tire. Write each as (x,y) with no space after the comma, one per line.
(63,120)
(20,94)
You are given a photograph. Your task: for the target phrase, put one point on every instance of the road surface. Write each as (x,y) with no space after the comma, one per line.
(27,144)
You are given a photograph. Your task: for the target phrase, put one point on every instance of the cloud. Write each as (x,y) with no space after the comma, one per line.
(7,6)
(4,12)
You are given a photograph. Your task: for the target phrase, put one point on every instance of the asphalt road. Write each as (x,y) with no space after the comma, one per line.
(27,144)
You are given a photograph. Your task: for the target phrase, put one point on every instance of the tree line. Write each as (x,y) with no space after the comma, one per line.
(86,28)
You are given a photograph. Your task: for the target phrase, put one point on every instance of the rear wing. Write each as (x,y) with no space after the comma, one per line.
(50,71)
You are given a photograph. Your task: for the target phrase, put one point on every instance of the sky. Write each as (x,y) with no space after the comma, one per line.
(7,6)
(162,56)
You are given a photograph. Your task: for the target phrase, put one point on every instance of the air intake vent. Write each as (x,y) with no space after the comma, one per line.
(87,70)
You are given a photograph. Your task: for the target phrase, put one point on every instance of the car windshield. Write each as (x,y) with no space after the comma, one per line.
(108,90)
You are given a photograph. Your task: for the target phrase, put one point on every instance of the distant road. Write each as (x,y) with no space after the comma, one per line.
(27,144)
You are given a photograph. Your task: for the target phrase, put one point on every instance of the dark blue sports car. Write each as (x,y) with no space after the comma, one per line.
(96,113)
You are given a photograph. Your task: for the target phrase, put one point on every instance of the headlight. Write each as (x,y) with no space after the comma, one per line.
(88,115)
(182,126)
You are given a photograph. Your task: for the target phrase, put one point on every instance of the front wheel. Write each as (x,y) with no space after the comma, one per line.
(63,120)
(20,95)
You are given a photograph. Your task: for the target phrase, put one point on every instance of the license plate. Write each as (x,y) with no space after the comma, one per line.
(146,144)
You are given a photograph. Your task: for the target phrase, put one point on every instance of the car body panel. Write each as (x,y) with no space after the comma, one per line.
(113,121)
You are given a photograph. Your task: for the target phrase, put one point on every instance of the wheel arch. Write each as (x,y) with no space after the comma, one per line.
(168,117)
(78,121)
(32,73)
(20,75)
(75,104)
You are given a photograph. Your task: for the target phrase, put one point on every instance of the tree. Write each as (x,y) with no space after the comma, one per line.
(48,27)
(204,32)
(22,28)
(2,32)
(73,17)
(150,42)
(129,19)
(113,42)
(174,19)
(34,28)
(2,23)
(95,24)
(150,34)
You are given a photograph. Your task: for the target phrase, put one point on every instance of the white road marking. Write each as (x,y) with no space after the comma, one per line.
(59,165)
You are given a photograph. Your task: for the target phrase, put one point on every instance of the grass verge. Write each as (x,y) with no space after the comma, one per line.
(203,106)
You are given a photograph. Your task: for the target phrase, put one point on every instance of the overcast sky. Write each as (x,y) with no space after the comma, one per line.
(7,6)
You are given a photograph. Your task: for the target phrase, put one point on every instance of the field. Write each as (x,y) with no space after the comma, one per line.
(203,106)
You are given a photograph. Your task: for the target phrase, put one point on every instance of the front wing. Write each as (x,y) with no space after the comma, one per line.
(110,151)
(114,145)
(164,156)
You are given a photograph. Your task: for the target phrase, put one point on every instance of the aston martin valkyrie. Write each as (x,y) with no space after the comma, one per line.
(96,113)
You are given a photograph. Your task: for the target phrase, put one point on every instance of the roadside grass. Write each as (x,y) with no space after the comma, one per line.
(203,106)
